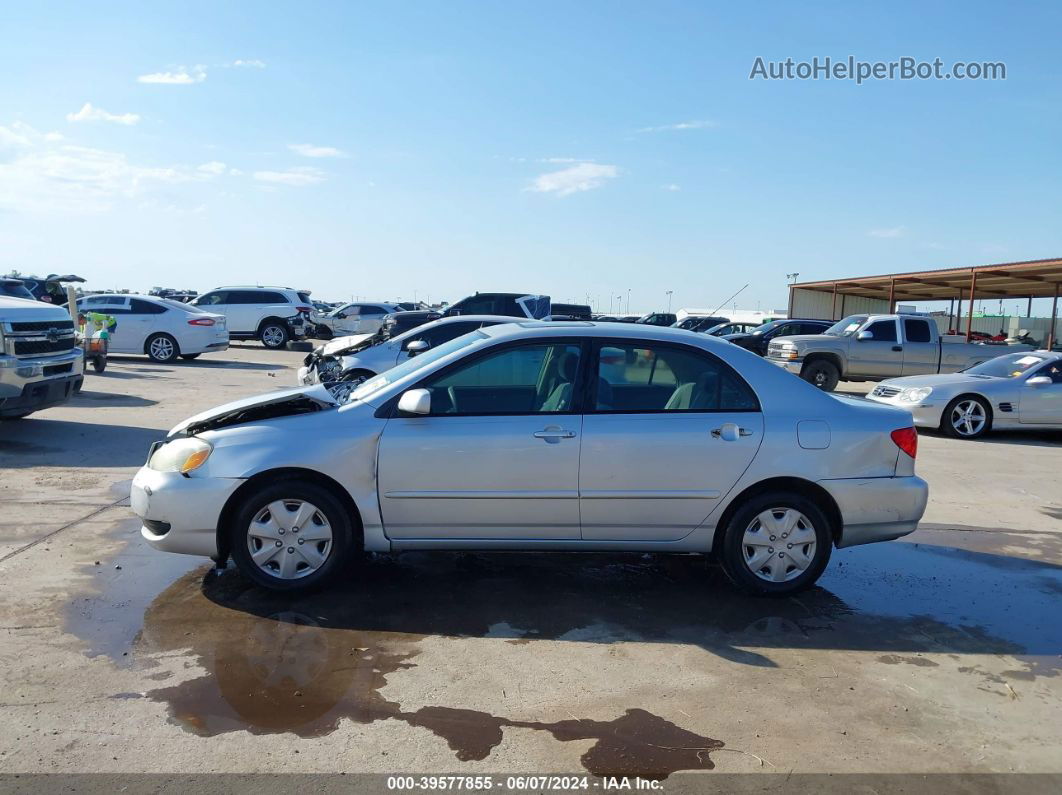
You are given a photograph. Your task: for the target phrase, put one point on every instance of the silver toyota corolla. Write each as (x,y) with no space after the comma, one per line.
(540,436)
(1016,390)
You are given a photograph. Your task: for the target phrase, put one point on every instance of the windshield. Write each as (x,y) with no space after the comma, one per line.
(409,365)
(847,326)
(15,290)
(762,329)
(1011,365)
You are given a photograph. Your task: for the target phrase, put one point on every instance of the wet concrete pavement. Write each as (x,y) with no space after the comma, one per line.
(937,654)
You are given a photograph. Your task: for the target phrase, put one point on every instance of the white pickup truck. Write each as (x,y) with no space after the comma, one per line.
(875,347)
(41,364)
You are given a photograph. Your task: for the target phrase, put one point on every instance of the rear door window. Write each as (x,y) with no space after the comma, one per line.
(139,306)
(915,330)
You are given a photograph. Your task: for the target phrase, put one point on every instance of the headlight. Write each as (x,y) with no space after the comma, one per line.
(915,394)
(180,455)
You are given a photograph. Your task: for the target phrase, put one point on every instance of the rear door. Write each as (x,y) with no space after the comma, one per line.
(920,353)
(668,432)
(497,458)
(346,320)
(881,356)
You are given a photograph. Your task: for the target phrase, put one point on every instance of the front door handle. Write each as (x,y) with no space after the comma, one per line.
(730,432)
(554,434)
(897,348)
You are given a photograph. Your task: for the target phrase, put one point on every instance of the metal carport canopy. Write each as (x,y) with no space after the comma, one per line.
(1033,279)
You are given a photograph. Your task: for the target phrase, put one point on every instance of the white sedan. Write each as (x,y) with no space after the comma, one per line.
(1013,391)
(540,436)
(161,328)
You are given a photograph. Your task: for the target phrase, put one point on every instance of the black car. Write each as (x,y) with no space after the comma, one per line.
(525,305)
(699,323)
(570,312)
(657,319)
(401,322)
(14,288)
(760,337)
(49,289)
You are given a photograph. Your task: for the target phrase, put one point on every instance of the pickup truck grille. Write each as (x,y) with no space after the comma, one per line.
(36,346)
(885,391)
(45,325)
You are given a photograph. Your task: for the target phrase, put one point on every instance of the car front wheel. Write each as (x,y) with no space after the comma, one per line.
(966,417)
(776,544)
(293,535)
(822,374)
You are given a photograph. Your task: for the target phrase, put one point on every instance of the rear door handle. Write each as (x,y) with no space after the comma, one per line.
(730,432)
(897,348)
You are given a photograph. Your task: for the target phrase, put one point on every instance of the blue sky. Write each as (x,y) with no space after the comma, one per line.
(576,149)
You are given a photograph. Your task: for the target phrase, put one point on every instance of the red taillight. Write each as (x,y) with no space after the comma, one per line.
(201,321)
(907,440)
(306,309)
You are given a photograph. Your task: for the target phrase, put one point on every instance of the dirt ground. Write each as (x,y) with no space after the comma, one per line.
(936,654)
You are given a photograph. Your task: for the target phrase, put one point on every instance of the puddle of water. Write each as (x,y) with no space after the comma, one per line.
(277,663)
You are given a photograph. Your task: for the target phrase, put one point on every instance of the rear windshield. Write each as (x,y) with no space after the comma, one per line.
(171,304)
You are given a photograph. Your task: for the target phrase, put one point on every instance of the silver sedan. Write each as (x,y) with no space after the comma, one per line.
(540,436)
(1016,390)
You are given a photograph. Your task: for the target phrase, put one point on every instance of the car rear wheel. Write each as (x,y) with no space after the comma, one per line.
(966,417)
(822,374)
(162,348)
(293,535)
(776,544)
(274,335)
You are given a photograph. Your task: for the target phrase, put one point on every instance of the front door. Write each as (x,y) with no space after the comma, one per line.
(881,356)
(669,432)
(498,456)
(1042,405)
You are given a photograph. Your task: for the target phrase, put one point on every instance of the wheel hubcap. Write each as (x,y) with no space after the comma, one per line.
(273,336)
(289,539)
(779,544)
(968,418)
(161,348)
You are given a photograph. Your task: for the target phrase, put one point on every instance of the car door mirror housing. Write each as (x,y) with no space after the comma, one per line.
(417,346)
(1039,380)
(415,401)
(862,336)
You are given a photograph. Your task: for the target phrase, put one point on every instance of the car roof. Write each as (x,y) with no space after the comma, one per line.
(520,329)
(257,287)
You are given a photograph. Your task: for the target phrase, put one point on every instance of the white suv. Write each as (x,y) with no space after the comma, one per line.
(273,315)
(356,318)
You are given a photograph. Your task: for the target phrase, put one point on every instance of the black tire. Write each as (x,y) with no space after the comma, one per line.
(189,356)
(99,363)
(979,404)
(274,334)
(345,538)
(821,373)
(735,552)
(162,348)
(324,333)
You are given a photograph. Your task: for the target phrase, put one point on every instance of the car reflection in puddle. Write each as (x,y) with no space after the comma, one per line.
(276,663)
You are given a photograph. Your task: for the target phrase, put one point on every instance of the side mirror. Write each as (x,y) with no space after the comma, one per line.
(415,401)
(1039,380)
(865,335)
(342,316)
(417,346)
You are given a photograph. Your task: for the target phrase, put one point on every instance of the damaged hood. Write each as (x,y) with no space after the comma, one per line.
(342,345)
(286,403)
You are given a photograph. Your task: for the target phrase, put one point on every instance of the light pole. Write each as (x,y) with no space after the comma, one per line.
(628,300)
(669,292)
(792,276)
(619,304)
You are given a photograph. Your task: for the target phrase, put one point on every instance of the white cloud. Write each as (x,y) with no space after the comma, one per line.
(892,231)
(53,136)
(296,177)
(671,187)
(564,160)
(90,113)
(310,150)
(180,77)
(584,176)
(251,63)
(214,168)
(51,176)
(700,124)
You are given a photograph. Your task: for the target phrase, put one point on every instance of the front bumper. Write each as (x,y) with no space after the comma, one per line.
(191,507)
(877,509)
(34,384)
(792,365)
(926,414)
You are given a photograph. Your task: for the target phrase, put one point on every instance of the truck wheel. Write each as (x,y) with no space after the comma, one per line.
(162,348)
(821,373)
(292,535)
(966,417)
(776,544)
(274,335)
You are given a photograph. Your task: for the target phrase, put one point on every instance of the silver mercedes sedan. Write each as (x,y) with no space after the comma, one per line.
(1013,391)
(540,436)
